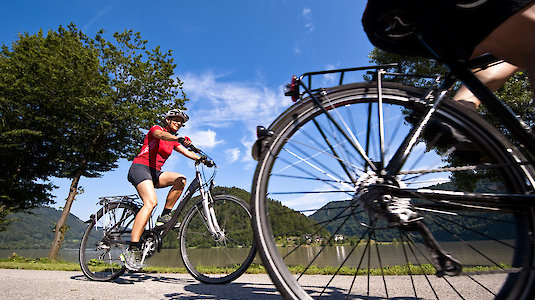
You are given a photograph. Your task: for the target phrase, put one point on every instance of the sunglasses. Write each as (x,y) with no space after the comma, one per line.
(180,122)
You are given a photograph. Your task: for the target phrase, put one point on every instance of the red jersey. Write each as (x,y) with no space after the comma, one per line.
(155,152)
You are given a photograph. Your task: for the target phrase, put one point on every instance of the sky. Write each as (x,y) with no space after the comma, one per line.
(234,58)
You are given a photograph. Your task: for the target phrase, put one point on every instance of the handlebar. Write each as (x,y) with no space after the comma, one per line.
(204,158)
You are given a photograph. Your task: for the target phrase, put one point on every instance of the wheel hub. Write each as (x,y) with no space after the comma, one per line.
(373,196)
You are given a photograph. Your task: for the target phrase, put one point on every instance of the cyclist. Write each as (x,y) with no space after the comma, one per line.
(462,28)
(146,175)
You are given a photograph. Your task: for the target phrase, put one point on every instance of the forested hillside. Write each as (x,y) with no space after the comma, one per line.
(289,223)
(34,230)
(484,223)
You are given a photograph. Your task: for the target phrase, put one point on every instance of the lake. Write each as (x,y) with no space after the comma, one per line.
(331,256)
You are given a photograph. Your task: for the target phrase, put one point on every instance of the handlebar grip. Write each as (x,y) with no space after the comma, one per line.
(181,140)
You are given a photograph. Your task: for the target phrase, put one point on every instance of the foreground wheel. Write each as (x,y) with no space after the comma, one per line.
(105,239)
(218,260)
(320,238)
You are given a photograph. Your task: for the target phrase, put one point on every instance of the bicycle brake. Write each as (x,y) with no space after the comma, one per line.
(263,134)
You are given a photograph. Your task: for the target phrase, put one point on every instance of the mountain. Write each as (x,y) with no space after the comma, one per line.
(289,222)
(469,225)
(34,230)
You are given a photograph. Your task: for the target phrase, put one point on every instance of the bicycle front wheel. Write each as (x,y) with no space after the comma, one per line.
(320,194)
(218,259)
(104,240)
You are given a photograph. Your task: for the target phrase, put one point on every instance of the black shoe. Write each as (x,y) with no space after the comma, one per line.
(163,219)
(442,135)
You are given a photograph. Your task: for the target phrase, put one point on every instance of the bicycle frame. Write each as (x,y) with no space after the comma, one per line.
(209,215)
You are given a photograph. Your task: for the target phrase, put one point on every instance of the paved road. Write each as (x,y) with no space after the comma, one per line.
(29,284)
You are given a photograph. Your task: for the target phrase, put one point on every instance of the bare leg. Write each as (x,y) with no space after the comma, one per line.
(147,193)
(513,41)
(177,181)
(493,77)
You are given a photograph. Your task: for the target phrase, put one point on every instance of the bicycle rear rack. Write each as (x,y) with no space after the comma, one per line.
(134,198)
(105,201)
(306,81)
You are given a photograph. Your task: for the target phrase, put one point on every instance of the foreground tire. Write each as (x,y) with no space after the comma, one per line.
(309,220)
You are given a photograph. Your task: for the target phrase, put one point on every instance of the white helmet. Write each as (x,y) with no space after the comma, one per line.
(177,113)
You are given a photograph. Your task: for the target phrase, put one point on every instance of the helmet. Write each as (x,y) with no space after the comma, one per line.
(177,113)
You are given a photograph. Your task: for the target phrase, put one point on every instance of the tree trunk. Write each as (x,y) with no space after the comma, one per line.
(60,231)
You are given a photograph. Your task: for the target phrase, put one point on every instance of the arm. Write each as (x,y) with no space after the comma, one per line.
(166,136)
(186,152)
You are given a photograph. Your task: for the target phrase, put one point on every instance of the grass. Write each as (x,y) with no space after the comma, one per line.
(19,262)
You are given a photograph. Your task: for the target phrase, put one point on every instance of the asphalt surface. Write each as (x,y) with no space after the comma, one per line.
(30,284)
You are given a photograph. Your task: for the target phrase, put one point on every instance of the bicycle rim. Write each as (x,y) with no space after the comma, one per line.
(217,260)
(104,241)
(317,239)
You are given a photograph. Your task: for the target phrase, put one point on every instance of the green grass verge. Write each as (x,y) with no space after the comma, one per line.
(19,262)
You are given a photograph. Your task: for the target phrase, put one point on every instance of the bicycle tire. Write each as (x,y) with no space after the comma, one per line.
(99,256)
(198,247)
(306,157)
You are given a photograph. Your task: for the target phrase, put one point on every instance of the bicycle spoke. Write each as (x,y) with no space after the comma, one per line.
(357,168)
(407,262)
(318,254)
(482,234)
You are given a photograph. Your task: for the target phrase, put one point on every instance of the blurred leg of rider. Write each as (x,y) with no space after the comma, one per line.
(512,41)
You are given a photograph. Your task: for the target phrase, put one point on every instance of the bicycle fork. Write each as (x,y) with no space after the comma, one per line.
(209,213)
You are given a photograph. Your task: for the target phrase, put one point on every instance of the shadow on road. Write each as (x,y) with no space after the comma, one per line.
(131,278)
(200,290)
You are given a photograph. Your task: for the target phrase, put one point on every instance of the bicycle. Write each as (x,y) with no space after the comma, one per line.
(343,159)
(218,225)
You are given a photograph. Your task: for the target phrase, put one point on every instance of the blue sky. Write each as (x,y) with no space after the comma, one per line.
(233,56)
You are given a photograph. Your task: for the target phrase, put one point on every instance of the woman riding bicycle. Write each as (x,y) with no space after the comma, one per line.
(146,175)
(461,28)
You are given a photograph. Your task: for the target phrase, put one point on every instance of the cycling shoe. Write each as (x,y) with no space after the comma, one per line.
(440,134)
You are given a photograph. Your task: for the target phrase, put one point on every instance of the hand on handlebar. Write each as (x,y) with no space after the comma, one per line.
(187,143)
(204,160)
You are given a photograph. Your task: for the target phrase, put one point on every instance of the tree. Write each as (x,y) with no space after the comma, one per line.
(89,98)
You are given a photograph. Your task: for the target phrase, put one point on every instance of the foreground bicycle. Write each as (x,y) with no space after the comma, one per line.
(218,225)
(349,163)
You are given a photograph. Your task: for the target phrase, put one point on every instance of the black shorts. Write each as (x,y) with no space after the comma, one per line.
(455,27)
(139,173)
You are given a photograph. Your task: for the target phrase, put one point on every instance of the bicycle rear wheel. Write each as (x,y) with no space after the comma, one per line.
(319,238)
(105,238)
(218,260)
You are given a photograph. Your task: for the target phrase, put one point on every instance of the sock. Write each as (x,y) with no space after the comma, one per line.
(135,245)
(166,211)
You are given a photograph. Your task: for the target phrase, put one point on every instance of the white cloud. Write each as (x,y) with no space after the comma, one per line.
(218,103)
(233,154)
(306,13)
(303,41)
(202,138)
(219,106)
(100,14)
